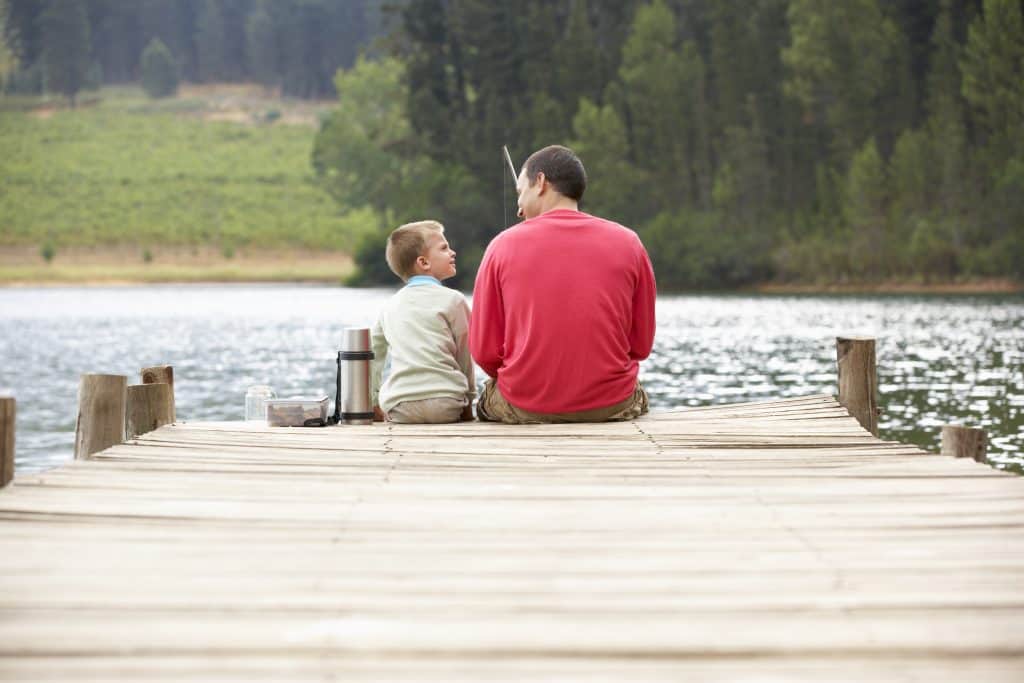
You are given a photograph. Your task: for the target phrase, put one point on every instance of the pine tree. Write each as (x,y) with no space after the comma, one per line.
(21,30)
(8,62)
(261,47)
(945,126)
(65,46)
(159,70)
(656,95)
(837,59)
(993,76)
(864,208)
(173,22)
(601,141)
(578,61)
(210,42)
(435,104)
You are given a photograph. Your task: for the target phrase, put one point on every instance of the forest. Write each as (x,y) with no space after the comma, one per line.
(746,142)
(295,45)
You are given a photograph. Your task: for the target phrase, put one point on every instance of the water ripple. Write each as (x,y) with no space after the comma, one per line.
(941,360)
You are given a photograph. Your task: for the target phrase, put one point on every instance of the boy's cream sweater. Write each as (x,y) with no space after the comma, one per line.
(424,330)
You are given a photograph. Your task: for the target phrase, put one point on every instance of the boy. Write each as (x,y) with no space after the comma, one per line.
(425,329)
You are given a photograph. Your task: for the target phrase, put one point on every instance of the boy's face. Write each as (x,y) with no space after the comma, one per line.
(439,258)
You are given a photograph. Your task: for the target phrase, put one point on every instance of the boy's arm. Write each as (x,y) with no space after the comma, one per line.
(461,317)
(379,346)
(487,325)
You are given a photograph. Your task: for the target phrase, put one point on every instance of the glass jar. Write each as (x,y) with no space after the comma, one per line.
(255,398)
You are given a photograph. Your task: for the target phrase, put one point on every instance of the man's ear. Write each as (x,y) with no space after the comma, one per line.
(422,262)
(542,182)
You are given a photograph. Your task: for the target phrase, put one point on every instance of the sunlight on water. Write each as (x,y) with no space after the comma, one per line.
(941,360)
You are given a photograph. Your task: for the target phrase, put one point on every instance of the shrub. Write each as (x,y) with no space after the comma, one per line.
(159,70)
(48,251)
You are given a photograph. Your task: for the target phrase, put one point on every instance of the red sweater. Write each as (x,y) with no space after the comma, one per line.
(563,311)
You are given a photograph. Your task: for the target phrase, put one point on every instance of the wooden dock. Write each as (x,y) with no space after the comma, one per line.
(773,541)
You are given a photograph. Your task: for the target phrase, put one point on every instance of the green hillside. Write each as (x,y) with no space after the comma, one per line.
(230,171)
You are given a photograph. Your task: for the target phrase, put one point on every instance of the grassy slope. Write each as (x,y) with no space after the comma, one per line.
(130,171)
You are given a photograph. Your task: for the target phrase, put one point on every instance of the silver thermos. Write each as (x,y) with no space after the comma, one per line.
(354,377)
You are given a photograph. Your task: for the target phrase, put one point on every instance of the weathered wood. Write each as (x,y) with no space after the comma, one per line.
(101,411)
(964,442)
(858,379)
(762,540)
(7,415)
(161,374)
(148,407)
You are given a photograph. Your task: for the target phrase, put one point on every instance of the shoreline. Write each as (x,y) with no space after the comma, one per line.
(131,265)
(125,265)
(964,287)
(290,274)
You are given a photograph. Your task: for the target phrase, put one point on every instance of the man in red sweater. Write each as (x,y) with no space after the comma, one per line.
(563,307)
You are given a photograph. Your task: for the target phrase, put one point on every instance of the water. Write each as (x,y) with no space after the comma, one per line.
(941,360)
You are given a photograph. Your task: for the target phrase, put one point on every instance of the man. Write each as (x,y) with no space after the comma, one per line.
(563,307)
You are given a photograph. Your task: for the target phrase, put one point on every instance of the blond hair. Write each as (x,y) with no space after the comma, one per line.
(407,243)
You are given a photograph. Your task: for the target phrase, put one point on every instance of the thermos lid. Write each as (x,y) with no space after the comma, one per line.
(355,339)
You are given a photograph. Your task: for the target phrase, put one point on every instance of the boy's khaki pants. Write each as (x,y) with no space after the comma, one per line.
(427,411)
(492,407)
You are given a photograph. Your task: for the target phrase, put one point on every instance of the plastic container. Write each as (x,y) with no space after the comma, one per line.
(297,412)
(255,398)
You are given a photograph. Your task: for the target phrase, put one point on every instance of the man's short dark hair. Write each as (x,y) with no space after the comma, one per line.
(562,168)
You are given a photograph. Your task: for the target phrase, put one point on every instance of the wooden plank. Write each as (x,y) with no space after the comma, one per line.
(772,539)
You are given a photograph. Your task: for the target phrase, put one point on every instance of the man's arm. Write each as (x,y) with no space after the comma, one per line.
(487,324)
(641,333)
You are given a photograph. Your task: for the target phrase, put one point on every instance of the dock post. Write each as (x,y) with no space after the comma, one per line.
(161,374)
(858,379)
(7,412)
(101,411)
(147,407)
(964,442)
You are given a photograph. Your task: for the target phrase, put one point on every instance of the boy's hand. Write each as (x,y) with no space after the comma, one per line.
(378,415)
(467,413)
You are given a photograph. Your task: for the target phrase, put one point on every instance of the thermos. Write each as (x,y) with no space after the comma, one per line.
(353,395)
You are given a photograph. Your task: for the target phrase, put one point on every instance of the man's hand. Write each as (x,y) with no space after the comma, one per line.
(378,415)
(467,414)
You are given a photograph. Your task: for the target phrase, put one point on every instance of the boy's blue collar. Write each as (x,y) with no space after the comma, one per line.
(420,280)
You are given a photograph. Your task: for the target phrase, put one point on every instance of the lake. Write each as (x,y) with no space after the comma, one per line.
(941,360)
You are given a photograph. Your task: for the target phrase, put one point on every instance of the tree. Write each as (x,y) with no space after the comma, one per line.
(946,129)
(601,141)
(357,154)
(656,93)
(435,82)
(66,46)
(159,70)
(578,61)
(261,47)
(837,60)
(8,62)
(21,29)
(865,206)
(210,42)
(174,23)
(993,76)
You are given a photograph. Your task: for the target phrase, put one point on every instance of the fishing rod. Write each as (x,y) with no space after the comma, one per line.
(515,180)
(511,166)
